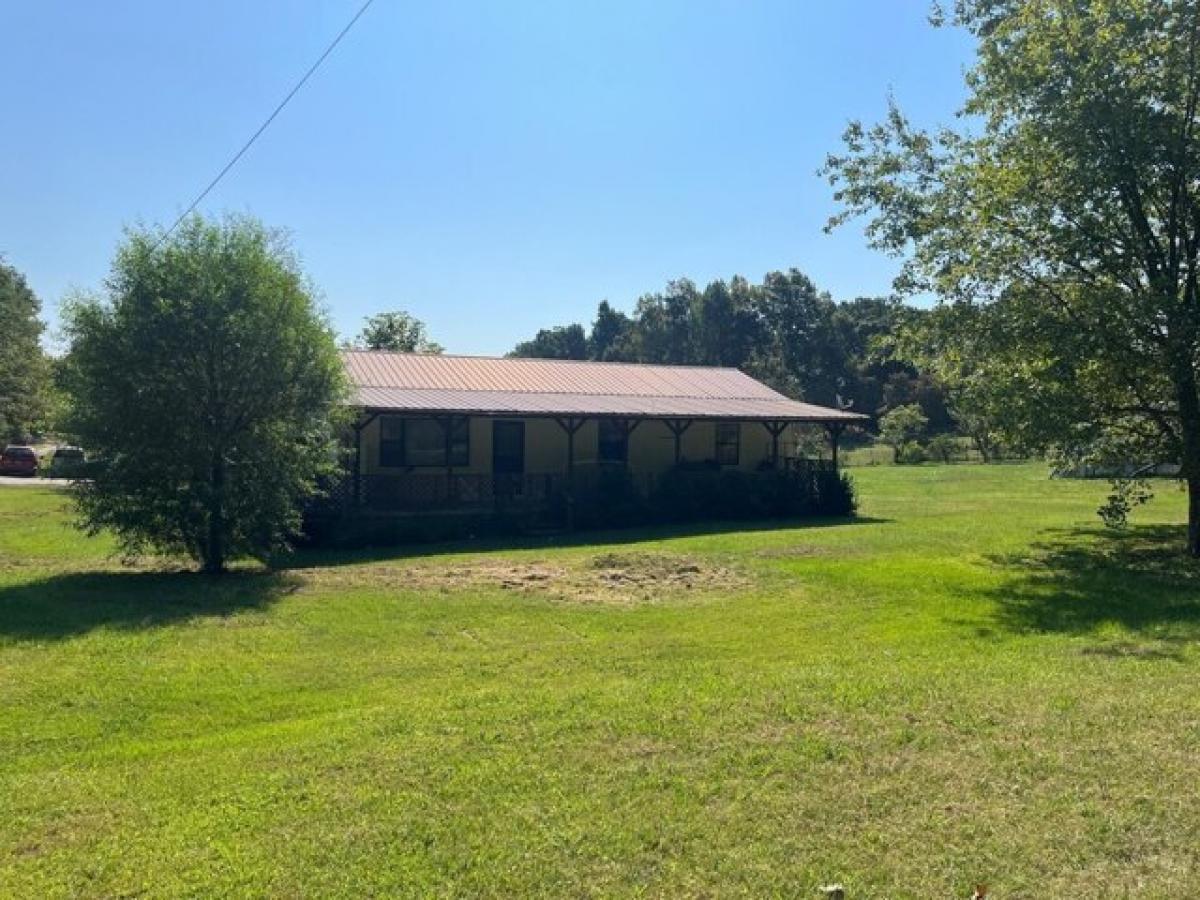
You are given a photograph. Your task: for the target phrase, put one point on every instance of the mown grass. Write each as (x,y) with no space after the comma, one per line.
(972,682)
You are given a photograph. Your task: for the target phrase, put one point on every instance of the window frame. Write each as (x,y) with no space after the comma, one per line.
(620,440)
(456,443)
(722,444)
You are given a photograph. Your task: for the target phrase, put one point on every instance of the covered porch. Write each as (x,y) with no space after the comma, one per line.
(556,467)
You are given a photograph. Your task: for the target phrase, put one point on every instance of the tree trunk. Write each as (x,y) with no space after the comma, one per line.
(1189,429)
(214,550)
(983,446)
(1193,538)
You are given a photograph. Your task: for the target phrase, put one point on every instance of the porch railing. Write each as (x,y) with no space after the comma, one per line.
(412,493)
(409,493)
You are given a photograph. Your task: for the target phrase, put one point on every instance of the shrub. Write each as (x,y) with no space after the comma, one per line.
(684,494)
(837,496)
(608,497)
(942,448)
(899,428)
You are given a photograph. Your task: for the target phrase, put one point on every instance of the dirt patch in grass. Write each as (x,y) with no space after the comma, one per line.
(655,570)
(608,578)
(507,576)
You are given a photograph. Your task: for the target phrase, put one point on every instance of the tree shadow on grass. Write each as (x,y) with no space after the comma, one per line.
(322,557)
(1079,580)
(64,606)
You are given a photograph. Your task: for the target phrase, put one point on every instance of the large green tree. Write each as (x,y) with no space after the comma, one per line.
(1066,207)
(798,318)
(668,323)
(729,326)
(23,368)
(559,342)
(608,339)
(207,382)
(397,331)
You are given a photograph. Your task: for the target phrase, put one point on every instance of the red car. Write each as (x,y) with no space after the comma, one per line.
(18,461)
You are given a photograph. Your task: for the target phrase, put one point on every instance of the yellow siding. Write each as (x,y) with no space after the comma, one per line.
(651,446)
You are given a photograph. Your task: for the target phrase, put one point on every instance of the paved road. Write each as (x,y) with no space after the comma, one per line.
(16,481)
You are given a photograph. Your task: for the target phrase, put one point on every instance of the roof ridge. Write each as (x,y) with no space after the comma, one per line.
(777,398)
(544,359)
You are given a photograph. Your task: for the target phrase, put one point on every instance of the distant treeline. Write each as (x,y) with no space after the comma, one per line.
(783,331)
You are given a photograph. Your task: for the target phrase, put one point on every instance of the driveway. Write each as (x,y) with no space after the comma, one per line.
(18,481)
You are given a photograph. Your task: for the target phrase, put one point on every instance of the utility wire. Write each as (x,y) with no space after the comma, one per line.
(271,118)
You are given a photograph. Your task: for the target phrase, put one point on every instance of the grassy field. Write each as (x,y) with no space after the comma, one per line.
(971,682)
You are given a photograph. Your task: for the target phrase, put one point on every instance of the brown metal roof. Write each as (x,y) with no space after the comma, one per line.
(418,382)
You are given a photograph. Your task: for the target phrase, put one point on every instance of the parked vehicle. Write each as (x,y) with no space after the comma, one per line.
(68,462)
(16,460)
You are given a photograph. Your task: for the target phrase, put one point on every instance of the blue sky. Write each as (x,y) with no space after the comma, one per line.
(490,167)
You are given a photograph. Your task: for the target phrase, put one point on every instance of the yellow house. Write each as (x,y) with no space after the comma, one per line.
(439,432)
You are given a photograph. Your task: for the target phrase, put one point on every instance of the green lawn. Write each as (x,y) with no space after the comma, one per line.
(971,682)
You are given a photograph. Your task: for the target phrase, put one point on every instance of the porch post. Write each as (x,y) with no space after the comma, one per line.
(627,427)
(444,421)
(775,429)
(678,427)
(570,425)
(835,433)
(359,428)
(571,452)
(447,423)
(357,496)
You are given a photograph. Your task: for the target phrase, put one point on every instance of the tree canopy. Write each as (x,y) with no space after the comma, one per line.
(1060,223)
(397,331)
(783,330)
(23,368)
(562,342)
(206,381)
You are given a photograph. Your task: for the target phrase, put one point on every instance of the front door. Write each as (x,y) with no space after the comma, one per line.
(508,447)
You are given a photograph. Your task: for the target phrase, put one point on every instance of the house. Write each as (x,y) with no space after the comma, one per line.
(438,434)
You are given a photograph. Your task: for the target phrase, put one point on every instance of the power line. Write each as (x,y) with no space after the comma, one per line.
(271,118)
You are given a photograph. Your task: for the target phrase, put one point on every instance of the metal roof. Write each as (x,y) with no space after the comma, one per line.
(429,383)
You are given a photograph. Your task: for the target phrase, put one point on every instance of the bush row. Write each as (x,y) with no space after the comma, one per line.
(611,498)
(684,495)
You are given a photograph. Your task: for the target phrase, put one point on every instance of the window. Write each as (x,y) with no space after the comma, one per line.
(614,441)
(423,442)
(391,441)
(728,440)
